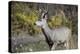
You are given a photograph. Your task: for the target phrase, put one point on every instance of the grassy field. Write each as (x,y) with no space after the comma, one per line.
(33,44)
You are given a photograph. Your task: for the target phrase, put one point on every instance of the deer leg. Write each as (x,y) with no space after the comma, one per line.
(54,46)
(67,44)
(50,44)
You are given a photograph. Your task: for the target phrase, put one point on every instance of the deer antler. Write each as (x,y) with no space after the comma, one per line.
(43,13)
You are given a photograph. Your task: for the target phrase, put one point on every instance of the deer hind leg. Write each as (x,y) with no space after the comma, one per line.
(66,44)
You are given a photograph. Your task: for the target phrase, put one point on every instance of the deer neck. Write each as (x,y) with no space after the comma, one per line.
(46,30)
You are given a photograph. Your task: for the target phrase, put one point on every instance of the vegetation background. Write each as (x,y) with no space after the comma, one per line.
(25,36)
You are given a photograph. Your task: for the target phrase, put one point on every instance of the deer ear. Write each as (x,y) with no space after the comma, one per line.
(46,15)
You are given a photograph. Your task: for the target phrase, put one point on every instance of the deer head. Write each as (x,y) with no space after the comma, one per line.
(43,20)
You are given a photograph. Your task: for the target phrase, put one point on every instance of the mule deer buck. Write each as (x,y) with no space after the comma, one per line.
(54,36)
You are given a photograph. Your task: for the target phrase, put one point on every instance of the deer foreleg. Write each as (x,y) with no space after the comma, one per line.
(54,46)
